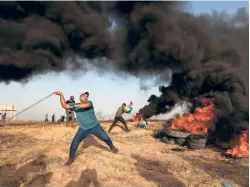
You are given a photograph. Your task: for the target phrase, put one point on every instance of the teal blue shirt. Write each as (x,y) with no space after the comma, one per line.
(86,117)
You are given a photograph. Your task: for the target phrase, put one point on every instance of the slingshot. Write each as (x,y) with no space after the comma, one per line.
(30,106)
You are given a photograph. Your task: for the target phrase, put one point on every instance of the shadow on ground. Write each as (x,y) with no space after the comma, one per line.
(31,174)
(87,178)
(157,172)
(222,169)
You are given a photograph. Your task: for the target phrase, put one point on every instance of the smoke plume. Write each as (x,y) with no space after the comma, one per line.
(207,54)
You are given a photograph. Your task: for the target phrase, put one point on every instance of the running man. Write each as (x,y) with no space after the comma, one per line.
(87,122)
(118,117)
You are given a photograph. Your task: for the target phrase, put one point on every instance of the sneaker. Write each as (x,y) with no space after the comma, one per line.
(69,162)
(114,149)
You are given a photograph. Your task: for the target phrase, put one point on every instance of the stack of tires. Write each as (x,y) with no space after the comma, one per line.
(173,136)
(177,136)
(197,141)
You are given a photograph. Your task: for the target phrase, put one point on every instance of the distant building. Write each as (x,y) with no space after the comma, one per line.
(10,111)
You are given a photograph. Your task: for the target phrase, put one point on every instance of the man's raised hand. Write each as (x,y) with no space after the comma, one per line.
(57,93)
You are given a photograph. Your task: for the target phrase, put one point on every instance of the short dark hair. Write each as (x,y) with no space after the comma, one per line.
(123,104)
(87,93)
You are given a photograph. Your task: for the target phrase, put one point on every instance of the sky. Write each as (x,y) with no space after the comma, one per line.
(107,91)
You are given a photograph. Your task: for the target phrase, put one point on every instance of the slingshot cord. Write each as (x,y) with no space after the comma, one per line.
(30,106)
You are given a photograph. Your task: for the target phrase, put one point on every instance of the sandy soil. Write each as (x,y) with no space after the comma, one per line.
(34,156)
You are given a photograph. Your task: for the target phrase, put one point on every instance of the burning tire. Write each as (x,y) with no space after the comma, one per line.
(177,133)
(180,141)
(196,141)
(192,145)
(169,140)
(160,135)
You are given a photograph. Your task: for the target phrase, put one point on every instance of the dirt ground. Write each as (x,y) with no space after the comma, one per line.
(34,156)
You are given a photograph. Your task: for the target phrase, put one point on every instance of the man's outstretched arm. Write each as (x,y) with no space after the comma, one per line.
(83,105)
(125,111)
(62,100)
(128,112)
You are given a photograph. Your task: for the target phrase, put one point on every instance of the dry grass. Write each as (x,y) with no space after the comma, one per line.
(34,156)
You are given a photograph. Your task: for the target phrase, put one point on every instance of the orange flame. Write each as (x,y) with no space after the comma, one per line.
(137,117)
(241,148)
(197,122)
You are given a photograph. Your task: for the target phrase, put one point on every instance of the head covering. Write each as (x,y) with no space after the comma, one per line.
(87,93)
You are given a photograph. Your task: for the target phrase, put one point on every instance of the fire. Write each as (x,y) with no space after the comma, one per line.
(137,117)
(241,148)
(197,122)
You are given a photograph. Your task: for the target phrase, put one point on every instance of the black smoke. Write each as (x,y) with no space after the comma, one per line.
(207,54)
(37,37)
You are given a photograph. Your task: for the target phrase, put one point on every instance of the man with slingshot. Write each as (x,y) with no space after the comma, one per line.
(88,124)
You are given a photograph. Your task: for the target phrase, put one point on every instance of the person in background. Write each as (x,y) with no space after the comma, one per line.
(118,117)
(70,114)
(63,118)
(46,119)
(4,116)
(53,118)
(88,124)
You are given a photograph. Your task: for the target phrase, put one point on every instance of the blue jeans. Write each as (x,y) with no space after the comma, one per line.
(81,134)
